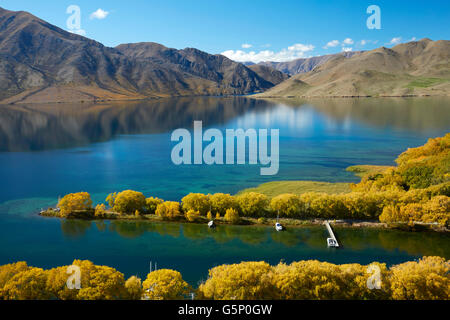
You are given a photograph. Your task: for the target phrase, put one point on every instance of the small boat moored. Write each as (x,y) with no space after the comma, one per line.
(211,224)
(279,227)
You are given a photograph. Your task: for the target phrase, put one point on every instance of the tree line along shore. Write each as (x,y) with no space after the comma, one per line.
(427,278)
(413,193)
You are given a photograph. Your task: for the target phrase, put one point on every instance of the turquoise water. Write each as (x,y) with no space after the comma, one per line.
(48,151)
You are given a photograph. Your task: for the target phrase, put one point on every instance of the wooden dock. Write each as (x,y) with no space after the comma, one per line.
(331,241)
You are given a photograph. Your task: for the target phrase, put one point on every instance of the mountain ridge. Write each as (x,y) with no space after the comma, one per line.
(40,62)
(415,68)
(303,65)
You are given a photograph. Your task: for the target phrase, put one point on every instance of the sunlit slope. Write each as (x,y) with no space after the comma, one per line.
(413,68)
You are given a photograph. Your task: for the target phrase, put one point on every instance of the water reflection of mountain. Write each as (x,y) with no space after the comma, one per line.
(412,114)
(41,127)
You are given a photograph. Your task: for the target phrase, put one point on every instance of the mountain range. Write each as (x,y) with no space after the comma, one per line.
(303,65)
(414,68)
(40,62)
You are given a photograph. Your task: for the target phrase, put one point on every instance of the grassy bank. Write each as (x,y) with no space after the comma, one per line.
(275,188)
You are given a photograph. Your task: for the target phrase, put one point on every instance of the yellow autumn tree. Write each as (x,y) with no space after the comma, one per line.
(220,202)
(74,202)
(100,211)
(165,284)
(97,283)
(152,204)
(427,279)
(169,210)
(232,216)
(128,201)
(287,205)
(111,198)
(197,202)
(133,287)
(27,285)
(192,215)
(8,271)
(246,280)
(253,204)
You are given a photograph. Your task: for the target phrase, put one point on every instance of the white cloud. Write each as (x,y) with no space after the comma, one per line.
(246,45)
(413,39)
(396,40)
(332,43)
(346,49)
(267,45)
(99,14)
(295,51)
(348,41)
(365,42)
(301,47)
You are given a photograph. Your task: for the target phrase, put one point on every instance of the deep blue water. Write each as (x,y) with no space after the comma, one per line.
(48,151)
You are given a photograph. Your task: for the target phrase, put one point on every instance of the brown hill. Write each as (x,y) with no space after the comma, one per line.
(40,62)
(302,65)
(269,74)
(414,68)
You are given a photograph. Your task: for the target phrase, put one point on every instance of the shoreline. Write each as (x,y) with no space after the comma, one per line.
(269,222)
(250,96)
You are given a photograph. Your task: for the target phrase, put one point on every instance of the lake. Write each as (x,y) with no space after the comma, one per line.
(47,151)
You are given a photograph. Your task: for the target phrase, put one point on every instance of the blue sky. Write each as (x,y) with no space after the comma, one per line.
(250,29)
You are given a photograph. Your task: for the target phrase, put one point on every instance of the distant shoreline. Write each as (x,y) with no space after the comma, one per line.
(251,96)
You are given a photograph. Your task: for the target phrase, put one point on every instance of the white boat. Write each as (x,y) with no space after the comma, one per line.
(211,224)
(279,227)
(332,243)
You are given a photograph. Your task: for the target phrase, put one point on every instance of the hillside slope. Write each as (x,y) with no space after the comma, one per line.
(303,65)
(414,68)
(40,62)
(269,74)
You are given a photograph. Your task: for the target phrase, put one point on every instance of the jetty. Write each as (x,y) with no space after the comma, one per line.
(331,241)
